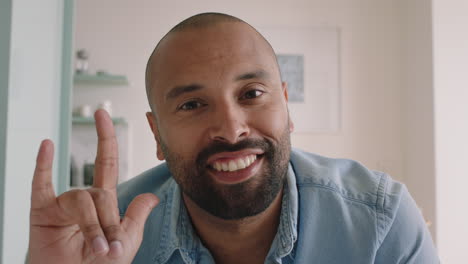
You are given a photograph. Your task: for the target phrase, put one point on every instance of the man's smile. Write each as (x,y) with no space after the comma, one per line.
(234,164)
(235,167)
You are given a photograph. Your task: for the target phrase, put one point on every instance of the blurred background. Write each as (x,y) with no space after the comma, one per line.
(395,90)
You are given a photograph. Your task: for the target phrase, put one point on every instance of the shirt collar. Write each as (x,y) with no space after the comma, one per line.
(179,235)
(286,236)
(177,232)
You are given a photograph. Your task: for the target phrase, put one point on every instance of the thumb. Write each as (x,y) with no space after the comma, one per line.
(137,213)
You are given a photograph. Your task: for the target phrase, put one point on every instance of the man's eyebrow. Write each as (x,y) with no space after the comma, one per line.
(178,90)
(260,74)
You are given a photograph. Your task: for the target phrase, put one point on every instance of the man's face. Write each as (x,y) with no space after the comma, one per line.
(222,121)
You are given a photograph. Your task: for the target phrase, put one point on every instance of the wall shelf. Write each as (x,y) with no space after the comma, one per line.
(84,143)
(100,79)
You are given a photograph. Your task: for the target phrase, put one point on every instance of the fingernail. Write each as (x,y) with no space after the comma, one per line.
(116,248)
(100,245)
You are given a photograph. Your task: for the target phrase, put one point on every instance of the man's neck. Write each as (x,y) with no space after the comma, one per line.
(237,241)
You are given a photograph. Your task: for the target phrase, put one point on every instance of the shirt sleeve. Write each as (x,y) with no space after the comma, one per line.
(408,239)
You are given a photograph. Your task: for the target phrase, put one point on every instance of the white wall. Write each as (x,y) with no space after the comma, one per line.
(33,111)
(120,36)
(418,112)
(450,20)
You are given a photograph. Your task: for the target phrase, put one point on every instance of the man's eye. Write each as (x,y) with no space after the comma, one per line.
(252,94)
(190,105)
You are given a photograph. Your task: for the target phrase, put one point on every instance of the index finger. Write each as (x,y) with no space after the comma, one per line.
(106,167)
(42,191)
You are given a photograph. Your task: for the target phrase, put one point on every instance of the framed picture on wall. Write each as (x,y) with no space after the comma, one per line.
(309,62)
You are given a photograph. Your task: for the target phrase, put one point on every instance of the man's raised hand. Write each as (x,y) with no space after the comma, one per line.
(84,226)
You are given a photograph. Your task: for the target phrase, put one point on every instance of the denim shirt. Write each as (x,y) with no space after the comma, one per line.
(333,211)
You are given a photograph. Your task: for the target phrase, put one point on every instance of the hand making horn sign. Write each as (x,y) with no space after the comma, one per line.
(84,226)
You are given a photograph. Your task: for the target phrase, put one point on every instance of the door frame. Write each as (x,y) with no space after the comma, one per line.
(63,177)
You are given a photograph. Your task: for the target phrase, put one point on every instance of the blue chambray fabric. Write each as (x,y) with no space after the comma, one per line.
(333,211)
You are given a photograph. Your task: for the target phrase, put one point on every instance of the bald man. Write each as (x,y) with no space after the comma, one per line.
(232,190)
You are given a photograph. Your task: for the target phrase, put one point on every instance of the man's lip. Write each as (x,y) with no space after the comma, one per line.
(233,155)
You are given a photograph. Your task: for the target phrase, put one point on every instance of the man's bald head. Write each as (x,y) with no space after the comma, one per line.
(198,21)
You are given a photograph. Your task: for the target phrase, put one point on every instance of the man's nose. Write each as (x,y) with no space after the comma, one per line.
(229,125)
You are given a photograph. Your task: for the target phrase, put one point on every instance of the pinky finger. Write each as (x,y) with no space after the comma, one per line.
(42,189)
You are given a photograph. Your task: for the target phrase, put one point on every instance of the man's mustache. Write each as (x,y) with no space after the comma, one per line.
(218,146)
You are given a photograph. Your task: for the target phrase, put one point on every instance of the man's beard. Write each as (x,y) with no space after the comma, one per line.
(234,201)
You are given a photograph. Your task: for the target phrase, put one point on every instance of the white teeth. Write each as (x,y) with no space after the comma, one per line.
(253,158)
(241,164)
(234,165)
(225,166)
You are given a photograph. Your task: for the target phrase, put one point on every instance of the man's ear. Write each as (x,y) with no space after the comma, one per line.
(291,125)
(284,85)
(285,93)
(154,128)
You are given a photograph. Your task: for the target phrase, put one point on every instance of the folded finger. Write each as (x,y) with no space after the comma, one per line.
(107,211)
(79,206)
